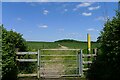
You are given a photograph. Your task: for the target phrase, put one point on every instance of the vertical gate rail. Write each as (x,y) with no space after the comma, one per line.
(29,60)
(82,62)
(38,65)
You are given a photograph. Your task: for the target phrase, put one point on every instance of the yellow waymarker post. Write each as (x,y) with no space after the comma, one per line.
(89,42)
(89,47)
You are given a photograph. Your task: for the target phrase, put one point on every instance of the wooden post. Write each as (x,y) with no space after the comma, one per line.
(38,65)
(76,62)
(80,63)
(89,47)
(17,49)
(95,52)
(89,43)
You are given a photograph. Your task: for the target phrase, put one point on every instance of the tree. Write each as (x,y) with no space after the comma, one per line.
(10,41)
(107,66)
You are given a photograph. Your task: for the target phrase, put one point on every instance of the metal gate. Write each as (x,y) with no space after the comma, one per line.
(56,63)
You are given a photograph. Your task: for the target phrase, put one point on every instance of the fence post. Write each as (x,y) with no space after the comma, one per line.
(95,52)
(17,50)
(80,63)
(38,65)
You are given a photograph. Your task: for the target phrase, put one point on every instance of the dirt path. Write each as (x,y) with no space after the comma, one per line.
(62,47)
(52,70)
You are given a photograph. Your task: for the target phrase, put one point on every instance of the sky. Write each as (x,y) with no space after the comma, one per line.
(0,12)
(59,0)
(51,21)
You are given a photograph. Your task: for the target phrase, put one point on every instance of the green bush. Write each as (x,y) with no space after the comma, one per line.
(10,41)
(107,65)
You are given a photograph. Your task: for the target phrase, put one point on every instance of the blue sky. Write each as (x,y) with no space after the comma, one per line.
(51,21)
(0,12)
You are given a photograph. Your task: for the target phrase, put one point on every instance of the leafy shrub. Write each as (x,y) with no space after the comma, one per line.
(10,41)
(107,66)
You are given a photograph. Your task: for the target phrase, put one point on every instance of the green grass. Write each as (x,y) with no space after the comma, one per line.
(50,45)
(41,45)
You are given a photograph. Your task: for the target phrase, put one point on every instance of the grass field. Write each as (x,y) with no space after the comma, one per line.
(49,45)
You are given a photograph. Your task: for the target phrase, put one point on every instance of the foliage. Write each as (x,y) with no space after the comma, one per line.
(10,41)
(107,66)
(67,40)
(27,67)
(41,45)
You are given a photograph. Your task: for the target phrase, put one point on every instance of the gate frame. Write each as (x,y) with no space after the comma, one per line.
(78,59)
(82,69)
(30,60)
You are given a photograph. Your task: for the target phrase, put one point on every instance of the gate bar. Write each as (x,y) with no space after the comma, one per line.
(61,49)
(38,69)
(80,63)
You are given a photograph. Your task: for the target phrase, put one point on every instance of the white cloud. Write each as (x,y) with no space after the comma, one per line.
(13,29)
(43,26)
(45,12)
(43,0)
(97,30)
(19,19)
(101,18)
(94,8)
(84,4)
(65,10)
(92,29)
(74,9)
(86,14)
